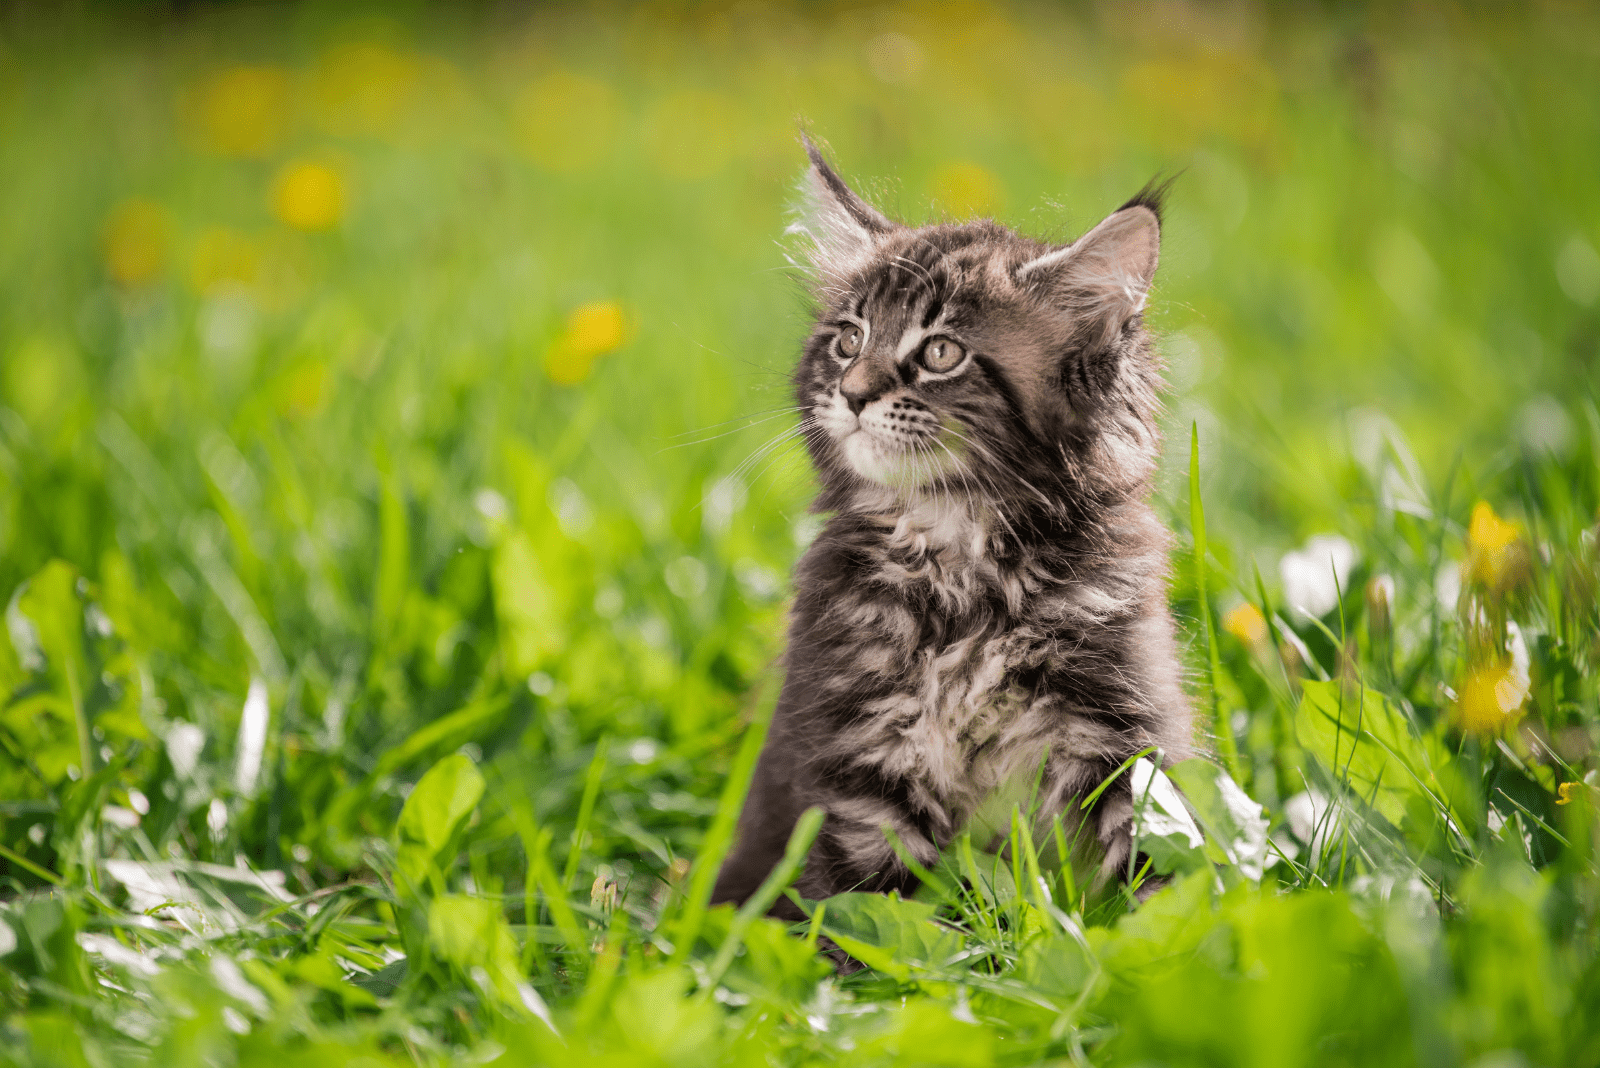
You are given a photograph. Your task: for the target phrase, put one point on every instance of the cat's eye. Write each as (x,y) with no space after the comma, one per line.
(941,355)
(850,341)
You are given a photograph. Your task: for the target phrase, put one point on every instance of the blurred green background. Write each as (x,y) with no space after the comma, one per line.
(420,371)
(340,228)
(289,288)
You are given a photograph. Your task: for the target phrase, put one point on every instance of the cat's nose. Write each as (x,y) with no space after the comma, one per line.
(862,384)
(861,396)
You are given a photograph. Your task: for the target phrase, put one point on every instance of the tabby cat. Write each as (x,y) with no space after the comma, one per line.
(989,598)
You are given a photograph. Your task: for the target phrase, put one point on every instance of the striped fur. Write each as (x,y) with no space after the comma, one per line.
(991,585)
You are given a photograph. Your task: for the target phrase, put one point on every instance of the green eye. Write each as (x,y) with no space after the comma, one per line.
(941,355)
(850,339)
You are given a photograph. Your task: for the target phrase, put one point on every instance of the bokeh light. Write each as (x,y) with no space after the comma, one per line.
(964,189)
(136,239)
(309,195)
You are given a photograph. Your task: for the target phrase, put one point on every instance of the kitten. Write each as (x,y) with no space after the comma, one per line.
(980,408)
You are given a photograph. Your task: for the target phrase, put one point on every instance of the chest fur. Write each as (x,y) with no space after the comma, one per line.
(955,722)
(929,636)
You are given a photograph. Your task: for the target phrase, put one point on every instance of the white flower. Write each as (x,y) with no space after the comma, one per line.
(184,743)
(1512,690)
(117,816)
(1158,809)
(1447,585)
(252,738)
(231,981)
(116,953)
(1314,576)
(217,817)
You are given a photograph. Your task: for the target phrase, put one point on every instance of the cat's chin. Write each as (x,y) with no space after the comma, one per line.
(891,464)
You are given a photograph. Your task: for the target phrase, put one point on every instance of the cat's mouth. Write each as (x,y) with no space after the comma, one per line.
(901,451)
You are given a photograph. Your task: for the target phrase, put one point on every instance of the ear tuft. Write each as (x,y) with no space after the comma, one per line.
(842,228)
(1153,196)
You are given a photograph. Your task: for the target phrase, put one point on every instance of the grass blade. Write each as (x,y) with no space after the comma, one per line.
(794,856)
(27,865)
(555,894)
(1226,745)
(591,791)
(1105,784)
(719,839)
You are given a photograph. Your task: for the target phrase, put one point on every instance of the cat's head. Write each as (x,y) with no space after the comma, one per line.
(967,359)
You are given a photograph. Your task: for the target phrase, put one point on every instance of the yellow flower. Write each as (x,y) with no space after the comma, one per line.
(244,110)
(965,189)
(136,241)
(1496,557)
(1492,696)
(309,195)
(1568,792)
(593,330)
(1246,623)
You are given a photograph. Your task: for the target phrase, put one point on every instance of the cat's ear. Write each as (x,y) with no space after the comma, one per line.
(1104,277)
(843,230)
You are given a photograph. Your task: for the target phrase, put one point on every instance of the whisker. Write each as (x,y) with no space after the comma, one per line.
(785,454)
(753,422)
(761,451)
(763,413)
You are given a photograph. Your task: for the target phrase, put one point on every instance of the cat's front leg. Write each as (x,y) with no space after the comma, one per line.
(852,852)
(1102,836)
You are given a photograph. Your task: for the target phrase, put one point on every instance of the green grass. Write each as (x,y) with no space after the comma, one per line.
(380,676)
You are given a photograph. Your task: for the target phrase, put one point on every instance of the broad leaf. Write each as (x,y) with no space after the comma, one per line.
(1359,737)
(441,802)
(471,934)
(437,809)
(888,933)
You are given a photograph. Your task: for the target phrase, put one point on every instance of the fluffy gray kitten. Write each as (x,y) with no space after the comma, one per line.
(992,587)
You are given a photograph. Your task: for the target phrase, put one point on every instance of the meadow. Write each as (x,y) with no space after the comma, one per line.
(398,494)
